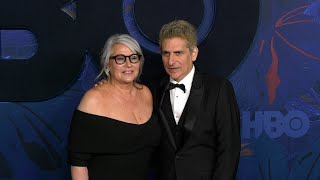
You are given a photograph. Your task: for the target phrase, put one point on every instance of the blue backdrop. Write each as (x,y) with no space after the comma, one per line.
(269,49)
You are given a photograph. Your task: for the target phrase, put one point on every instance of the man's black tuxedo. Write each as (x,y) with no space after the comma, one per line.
(205,145)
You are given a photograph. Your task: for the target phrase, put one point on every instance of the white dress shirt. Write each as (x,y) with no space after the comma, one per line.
(178,98)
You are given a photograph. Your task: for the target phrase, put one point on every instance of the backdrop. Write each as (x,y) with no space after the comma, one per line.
(268,49)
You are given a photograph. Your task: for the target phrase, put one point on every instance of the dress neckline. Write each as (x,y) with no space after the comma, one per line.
(113,119)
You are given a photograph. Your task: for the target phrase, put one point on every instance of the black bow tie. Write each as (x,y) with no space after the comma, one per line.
(181,86)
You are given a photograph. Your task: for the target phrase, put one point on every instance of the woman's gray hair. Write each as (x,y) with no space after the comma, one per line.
(123,39)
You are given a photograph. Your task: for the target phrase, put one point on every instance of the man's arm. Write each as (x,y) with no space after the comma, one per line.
(228,133)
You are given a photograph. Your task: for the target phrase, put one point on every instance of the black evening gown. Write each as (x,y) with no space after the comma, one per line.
(112,149)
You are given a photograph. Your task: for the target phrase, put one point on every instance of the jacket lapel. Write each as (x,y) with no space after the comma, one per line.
(193,104)
(191,109)
(163,88)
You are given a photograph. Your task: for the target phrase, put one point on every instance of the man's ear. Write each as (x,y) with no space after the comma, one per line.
(195,53)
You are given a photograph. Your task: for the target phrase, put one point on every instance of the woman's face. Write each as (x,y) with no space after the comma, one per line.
(126,72)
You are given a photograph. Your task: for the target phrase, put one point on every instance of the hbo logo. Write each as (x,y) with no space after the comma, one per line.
(274,123)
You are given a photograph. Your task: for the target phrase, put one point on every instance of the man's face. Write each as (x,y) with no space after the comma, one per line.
(177,58)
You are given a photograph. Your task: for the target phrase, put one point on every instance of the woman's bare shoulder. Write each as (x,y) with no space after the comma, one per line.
(91,99)
(146,93)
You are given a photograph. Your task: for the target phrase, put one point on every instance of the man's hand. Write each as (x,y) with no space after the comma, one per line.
(103,81)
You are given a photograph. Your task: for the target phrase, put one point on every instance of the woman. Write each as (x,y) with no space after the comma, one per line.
(114,130)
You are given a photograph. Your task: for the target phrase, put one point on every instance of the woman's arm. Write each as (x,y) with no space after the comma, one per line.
(79,173)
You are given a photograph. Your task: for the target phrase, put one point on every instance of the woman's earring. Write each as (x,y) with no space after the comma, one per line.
(107,71)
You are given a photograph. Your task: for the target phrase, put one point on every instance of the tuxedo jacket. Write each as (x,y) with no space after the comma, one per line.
(205,145)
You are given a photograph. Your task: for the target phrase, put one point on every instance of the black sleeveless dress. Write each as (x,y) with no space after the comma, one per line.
(112,149)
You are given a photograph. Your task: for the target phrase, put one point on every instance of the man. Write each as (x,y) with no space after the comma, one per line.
(200,119)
